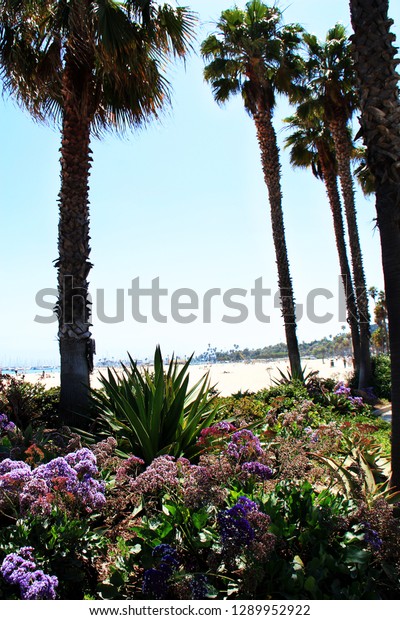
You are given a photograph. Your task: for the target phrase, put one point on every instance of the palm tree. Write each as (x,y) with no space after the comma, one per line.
(95,66)
(254,55)
(311,146)
(362,172)
(331,80)
(375,63)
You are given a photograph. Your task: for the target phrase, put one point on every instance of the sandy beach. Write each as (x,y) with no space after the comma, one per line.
(231,377)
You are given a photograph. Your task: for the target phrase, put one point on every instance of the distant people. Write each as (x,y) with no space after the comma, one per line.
(344,362)
(332,363)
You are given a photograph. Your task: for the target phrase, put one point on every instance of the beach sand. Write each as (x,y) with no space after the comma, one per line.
(232,377)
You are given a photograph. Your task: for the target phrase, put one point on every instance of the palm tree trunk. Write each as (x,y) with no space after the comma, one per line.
(73,246)
(271,167)
(332,190)
(375,62)
(338,130)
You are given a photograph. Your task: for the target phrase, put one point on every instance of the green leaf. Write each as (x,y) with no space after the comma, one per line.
(200,519)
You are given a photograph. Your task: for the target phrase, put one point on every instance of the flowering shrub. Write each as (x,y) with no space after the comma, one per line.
(155,580)
(19,569)
(211,436)
(67,482)
(342,400)
(244,446)
(253,516)
(5,425)
(235,530)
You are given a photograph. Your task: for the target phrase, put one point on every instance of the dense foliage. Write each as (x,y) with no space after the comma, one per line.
(286,497)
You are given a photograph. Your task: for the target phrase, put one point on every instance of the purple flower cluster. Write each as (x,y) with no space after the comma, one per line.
(5,425)
(199,587)
(341,388)
(244,446)
(19,569)
(261,471)
(235,529)
(312,435)
(220,429)
(357,401)
(162,472)
(129,468)
(13,475)
(155,580)
(372,537)
(68,480)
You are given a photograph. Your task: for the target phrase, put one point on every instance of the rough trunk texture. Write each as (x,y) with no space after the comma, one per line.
(332,190)
(338,130)
(73,246)
(374,56)
(271,167)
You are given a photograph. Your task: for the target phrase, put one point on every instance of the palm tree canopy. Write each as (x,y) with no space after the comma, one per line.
(309,141)
(362,171)
(312,140)
(120,45)
(254,55)
(330,72)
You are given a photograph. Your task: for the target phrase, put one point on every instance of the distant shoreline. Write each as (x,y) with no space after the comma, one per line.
(229,377)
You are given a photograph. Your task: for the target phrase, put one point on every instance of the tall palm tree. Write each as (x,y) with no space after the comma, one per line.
(375,63)
(254,55)
(331,79)
(95,66)
(311,146)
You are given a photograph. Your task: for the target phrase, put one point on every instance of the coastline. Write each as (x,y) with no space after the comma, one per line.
(228,378)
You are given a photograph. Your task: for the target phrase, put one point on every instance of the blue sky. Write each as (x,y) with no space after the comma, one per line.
(183,200)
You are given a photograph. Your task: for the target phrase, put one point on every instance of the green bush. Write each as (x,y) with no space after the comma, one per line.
(28,404)
(293,390)
(155,413)
(381,378)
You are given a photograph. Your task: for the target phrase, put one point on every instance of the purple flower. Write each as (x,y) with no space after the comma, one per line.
(57,468)
(247,504)
(13,474)
(199,587)
(40,587)
(155,580)
(91,493)
(168,559)
(5,425)
(244,446)
(19,569)
(9,465)
(83,461)
(155,584)
(76,472)
(162,472)
(15,567)
(372,537)
(258,469)
(340,388)
(227,427)
(235,530)
(357,401)
(33,497)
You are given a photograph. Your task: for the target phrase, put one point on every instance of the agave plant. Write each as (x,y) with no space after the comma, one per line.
(363,471)
(289,377)
(153,413)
